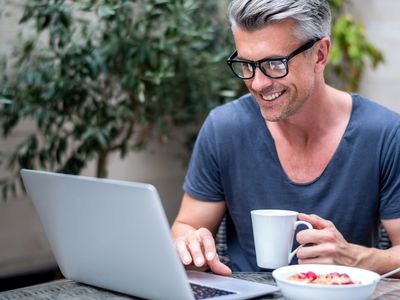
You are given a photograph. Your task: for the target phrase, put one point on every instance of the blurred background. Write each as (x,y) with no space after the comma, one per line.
(119,89)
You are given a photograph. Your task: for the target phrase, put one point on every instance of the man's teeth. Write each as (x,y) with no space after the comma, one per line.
(272,96)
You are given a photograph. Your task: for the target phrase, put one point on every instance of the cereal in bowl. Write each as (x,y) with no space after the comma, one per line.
(333,278)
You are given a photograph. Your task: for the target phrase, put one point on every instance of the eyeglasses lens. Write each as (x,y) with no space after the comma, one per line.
(272,68)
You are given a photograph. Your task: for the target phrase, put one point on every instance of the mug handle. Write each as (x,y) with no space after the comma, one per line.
(297,223)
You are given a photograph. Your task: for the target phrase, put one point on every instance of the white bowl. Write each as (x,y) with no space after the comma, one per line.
(295,290)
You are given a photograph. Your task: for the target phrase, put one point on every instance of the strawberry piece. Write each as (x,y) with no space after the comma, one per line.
(311,275)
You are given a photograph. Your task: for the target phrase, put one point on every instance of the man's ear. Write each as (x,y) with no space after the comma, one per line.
(322,53)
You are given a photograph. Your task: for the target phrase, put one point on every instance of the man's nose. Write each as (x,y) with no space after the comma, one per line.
(260,81)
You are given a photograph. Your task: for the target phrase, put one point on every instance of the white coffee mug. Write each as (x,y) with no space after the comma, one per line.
(273,232)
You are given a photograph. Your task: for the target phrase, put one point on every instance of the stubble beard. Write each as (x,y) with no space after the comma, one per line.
(276,114)
(292,104)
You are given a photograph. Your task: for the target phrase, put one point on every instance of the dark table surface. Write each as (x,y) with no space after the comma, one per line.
(387,289)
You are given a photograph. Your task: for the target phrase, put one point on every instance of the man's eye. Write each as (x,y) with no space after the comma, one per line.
(247,67)
(276,65)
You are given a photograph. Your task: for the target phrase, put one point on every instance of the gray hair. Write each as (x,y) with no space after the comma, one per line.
(313,17)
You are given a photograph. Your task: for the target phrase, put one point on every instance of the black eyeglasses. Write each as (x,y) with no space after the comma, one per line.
(271,67)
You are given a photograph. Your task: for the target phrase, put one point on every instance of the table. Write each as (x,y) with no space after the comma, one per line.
(387,289)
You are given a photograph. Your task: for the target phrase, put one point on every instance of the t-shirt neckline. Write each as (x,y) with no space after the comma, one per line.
(270,143)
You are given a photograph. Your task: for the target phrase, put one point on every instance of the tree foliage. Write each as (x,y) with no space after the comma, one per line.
(103,76)
(99,76)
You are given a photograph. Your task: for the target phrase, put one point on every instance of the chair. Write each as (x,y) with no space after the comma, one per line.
(221,243)
(383,239)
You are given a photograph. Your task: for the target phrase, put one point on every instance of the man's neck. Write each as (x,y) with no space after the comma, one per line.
(306,143)
(326,110)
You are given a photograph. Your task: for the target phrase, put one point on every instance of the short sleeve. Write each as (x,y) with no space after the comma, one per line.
(203,180)
(390,176)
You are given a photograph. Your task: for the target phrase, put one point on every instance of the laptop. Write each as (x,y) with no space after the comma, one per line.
(115,235)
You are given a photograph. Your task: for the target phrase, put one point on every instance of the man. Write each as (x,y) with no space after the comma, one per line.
(292,143)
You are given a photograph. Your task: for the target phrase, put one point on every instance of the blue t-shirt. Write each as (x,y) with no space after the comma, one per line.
(235,160)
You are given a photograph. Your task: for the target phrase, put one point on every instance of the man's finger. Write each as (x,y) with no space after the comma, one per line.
(195,250)
(183,252)
(208,243)
(320,250)
(218,267)
(322,260)
(317,236)
(316,221)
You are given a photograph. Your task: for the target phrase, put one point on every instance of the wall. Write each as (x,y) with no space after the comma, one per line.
(382,25)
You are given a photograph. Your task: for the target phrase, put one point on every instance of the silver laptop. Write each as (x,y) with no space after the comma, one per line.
(115,235)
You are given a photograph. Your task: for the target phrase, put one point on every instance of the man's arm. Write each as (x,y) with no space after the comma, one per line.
(387,260)
(330,247)
(194,229)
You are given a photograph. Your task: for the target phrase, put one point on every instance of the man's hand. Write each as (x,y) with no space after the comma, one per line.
(328,246)
(197,247)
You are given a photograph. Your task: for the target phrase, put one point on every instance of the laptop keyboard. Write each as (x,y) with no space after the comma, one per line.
(204,292)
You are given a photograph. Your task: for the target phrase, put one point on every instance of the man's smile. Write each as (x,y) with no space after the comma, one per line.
(272,96)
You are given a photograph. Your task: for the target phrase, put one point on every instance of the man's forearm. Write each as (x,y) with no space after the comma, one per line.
(377,260)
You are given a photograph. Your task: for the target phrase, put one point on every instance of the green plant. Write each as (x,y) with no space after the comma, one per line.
(350,49)
(103,76)
(99,76)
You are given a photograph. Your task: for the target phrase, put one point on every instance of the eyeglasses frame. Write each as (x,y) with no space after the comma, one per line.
(284,59)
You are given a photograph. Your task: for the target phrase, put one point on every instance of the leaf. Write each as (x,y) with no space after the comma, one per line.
(88,134)
(6,101)
(105,11)
(28,14)
(102,139)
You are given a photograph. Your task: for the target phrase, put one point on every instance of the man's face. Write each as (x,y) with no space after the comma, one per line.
(283,97)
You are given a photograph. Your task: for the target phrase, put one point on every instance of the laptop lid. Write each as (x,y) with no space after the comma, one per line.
(115,235)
